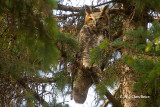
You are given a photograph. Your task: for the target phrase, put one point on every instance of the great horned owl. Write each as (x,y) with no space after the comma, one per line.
(90,36)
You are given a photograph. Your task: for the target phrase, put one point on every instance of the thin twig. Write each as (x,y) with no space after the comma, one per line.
(4,32)
(28,89)
(66,16)
(106,3)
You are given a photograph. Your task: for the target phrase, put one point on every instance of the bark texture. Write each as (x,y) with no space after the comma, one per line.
(129,97)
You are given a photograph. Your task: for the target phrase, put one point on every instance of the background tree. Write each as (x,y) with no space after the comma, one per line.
(31,43)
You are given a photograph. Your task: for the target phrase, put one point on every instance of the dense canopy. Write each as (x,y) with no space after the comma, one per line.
(38,49)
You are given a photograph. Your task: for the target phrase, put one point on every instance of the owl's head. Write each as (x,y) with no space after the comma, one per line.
(96,20)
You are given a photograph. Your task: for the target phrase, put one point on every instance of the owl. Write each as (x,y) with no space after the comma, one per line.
(91,35)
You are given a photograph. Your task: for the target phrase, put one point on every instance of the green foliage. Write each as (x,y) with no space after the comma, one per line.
(153,44)
(96,56)
(149,70)
(101,90)
(109,75)
(33,31)
(28,41)
(143,4)
(30,99)
(110,80)
(137,39)
(145,43)
(143,40)
(104,45)
(149,46)
(55,104)
(118,43)
(67,44)
(61,80)
(140,66)
(98,52)
(51,2)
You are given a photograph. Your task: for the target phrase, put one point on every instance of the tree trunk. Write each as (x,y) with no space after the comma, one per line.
(129,97)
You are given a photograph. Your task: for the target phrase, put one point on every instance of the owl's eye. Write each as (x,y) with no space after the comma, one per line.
(90,18)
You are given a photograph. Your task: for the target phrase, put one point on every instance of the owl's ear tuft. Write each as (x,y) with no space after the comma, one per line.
(88,10)
(104,9)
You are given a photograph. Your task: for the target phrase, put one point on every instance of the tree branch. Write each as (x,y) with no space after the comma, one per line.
(22,82)
(114,93)
(81,9)
(117,35)
(37,80)
(4,31)
(66,16)
(78,9)
(69,8)
(43,80)
(112,99)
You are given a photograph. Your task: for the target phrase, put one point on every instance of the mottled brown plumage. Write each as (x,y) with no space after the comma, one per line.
(90,36)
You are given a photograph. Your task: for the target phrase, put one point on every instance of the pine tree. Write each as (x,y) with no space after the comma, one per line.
(31,42)
(130,54)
